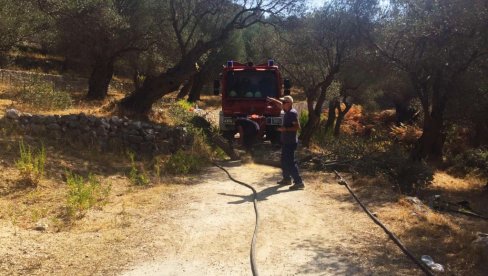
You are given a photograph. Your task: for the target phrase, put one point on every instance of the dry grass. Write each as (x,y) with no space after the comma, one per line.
(9,99)
(445,236)
(36,56)
(23,205)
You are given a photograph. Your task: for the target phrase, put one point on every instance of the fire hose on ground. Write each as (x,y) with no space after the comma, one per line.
(254,236)
(343,182)
(392,236)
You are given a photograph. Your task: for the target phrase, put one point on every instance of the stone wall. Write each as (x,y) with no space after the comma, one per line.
(103,134)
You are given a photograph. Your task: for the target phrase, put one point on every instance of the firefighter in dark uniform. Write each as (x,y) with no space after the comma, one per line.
(248,132)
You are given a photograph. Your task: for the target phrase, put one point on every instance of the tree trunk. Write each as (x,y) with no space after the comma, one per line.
(141,100)
(185,89)
(309,129)
(337,127)
(196,88)
(314,117)
(100,79)
(136,79)
(340,117)
(331,117)
(431,142)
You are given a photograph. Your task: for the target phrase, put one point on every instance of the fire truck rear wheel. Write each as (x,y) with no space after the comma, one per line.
(228,134)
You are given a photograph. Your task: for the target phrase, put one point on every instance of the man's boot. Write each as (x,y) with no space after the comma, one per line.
(284,181)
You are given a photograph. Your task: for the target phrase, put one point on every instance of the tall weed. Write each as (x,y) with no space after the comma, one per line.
(137,176)
(84,194)
(31,163)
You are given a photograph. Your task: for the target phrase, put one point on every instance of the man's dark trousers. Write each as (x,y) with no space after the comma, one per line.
(288,163)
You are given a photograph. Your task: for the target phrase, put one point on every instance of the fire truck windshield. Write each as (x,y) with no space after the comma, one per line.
(251,84)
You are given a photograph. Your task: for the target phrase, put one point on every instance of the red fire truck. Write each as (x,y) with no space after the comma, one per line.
(246,92)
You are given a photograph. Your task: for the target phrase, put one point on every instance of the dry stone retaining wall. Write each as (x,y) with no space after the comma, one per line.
(110,133)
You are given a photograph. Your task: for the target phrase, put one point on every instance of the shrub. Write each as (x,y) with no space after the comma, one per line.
(182,162)
(406,134)
(374,157)
(43,96)
(191,160)
(471,161)
(84,194)
(136,176)
(31,164)
(181,112)
(353,121)
(303,118)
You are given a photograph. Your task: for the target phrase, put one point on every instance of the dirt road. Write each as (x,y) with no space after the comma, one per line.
(318,231)
(205,228)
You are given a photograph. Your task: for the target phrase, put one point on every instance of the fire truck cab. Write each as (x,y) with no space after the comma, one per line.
(246,91)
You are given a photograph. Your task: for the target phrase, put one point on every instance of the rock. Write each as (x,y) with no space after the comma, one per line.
(135,125)
(135,139)
(73,124)
(480,245)
(37,128)
(13,113)
(50,120)
(149,137)
(116,120)
(72,117)
(36,119)
(53,126)
(41,225)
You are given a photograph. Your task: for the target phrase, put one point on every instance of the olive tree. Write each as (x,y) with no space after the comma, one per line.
(318,45)
(100,32)
(435,43)
(19,21)
(197,27)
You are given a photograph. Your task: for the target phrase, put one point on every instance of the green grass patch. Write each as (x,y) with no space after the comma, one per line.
(43,96)
(137,176)
(31,163)
(84,194)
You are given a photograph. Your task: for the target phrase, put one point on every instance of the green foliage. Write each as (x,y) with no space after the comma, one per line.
(137,177)
(303,118)
(19,20)
(31,164)
(181,112)
(193,160)
(43,96)
(377,156)
(183,162)
(84,194)
(472,161)
(196,157)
